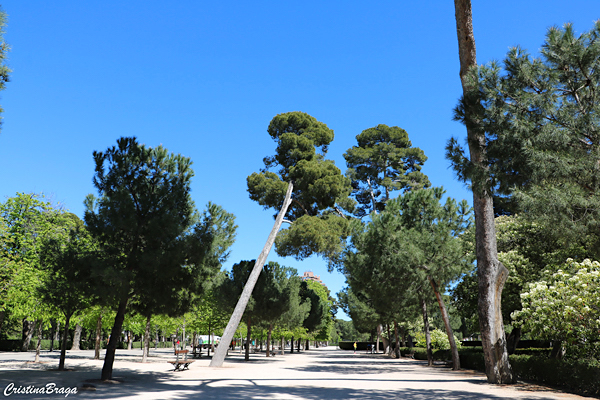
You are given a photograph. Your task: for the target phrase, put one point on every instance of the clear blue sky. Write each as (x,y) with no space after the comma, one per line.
(205,78)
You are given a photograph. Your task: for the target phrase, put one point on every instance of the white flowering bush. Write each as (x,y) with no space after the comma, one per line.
(565,306)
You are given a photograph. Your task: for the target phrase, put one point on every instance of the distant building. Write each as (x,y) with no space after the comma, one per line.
(309,276)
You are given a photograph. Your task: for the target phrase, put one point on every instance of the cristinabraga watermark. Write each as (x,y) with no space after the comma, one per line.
(49,388)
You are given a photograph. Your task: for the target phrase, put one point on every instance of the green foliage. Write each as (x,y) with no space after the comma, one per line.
(565,306)
(346,331)
(439,340)
(540,119)
(383,162)
(318,225)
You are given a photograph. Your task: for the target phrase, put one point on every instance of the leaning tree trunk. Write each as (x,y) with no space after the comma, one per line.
(490,271)
(115,334)
(234,321)
(446,318)
(427,333)
(146,349)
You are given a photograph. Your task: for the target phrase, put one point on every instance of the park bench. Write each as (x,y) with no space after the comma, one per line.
(181,362)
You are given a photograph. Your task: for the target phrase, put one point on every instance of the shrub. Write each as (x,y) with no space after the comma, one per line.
(439,340)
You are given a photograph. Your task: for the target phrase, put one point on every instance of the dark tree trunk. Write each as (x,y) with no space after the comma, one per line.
(248,339)
(98,338)
(146,349)
(63,345)
(292,346)
(115,334)
(52,334)
(513,340)
(299,340)
(77,337)
(389,349)
(27,334)
(490,271)
(306,348)
(269,340)
(446,318)
(427,333)
(397,340)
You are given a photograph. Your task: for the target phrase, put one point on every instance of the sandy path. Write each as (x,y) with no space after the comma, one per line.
(324,373)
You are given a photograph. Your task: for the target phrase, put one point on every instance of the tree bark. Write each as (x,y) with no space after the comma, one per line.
(292,346)
(397,340)
(306,348)
(77,338)
(115,334)
(52,334)
(379,328)
(446,319)
(146,349)
(27,334)
(63,346)
(427,333)
(234,321)
(39,327)
(98,338)
(491,273)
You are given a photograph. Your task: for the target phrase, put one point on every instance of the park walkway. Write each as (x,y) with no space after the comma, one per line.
(324,373)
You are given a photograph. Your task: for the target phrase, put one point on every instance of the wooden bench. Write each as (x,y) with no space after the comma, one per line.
(181,363)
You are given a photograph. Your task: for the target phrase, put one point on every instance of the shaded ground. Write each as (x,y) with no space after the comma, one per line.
(324,373)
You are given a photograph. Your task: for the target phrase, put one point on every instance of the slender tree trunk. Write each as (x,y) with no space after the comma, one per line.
(39,327)
(52,333)
(446,319)
(427,333)
(129,340)
(219,357)
(98,337)
(491,273)
(389,350)
(306,348)
(269,339)
(282,345)
(292,346)
(109,358)
(397,339)
(146,349)
(63,346)
(248,338)
(77,338)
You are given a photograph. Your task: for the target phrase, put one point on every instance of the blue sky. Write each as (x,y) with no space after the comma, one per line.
(205,78)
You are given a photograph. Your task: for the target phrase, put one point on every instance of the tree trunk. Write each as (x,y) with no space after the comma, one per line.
(513,340)
(306,348)
(27,334)
(146,349)
(397,340)
(53,329)
(248,338)
(379,328)
(269,339)
(446,318)
(234,321)
(77,338)
(427,334)
(389,348)
(98,338)
(282,345)
(129,340)
(39,325)
(292,346)
(115,334)
(490,271)
(63,345)
(299,341)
